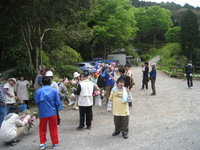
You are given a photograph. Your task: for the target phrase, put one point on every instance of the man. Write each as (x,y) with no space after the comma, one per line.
(189,70)
(145,71)
(153,79)
(109,82)
(47,99)
(85,101)
(13,127)
(38,80)
(3,108)
(10,94)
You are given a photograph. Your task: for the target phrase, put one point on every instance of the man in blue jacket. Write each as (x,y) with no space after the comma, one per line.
(153,79)
(109,82)
(47,99)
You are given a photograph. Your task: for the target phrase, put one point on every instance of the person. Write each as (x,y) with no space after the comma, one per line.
(22,86)
(153,79)
(13,127)
(10,93)
(85,101)
(3,107)
(53,83)
(118,103)
(145,79)
(94,78)
(38,80)
(189,70)
(63,90)
(128,72)
(109,82)
(47,100)
(77,80)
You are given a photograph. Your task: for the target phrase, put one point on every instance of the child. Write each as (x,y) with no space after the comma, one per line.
(119,100)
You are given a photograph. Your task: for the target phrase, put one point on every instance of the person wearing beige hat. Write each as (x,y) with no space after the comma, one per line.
(153,78)
(10,94)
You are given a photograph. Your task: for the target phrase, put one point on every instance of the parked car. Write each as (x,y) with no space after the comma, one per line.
(86,67)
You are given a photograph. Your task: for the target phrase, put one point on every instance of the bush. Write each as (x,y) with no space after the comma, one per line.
(26,71)
(67,71)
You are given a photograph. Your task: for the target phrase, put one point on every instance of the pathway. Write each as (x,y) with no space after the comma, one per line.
(168,121)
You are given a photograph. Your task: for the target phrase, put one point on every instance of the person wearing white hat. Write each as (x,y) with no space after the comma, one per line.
(10,94)
(53,83)
(76,75)
(77,79)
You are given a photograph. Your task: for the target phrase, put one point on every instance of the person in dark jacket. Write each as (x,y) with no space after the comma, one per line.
(145,79)
(153,79)
(189,70)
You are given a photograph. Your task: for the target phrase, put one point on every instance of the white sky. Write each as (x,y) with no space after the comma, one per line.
(194,3)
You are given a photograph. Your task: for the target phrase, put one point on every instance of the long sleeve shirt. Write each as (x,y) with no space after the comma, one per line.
(47,99)
(2,95)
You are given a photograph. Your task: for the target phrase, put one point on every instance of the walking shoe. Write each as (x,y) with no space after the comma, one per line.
(79,129)
(15,142)
(55,146)
(89,127)
(125,136)
(116,133)
(152,94)
(42,146)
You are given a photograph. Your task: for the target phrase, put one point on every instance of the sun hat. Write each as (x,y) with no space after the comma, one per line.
(12,79)
(76,74)
(49,74)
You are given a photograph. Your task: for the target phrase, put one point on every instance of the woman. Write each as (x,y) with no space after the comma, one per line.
(22,86)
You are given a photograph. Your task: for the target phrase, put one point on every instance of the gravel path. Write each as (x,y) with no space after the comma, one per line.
(168,121)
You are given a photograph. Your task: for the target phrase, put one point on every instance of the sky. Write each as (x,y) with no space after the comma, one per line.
(194,3)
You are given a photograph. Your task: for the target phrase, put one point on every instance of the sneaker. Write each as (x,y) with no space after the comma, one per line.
(125,136)
(116,133)
(55,146)
(89,127)
(79,129)
(152,94)
(42,146)
(15,142)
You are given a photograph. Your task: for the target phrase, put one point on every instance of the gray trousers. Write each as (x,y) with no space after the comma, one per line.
(153,86)
(121,124)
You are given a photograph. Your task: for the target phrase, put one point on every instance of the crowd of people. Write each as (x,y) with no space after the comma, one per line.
(85,91)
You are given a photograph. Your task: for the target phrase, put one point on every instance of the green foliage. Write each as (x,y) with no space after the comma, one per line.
(170,55)
(189,34)
(67,71)
(173,35)
(114,23)
(26,71)
(64,55)
(158,20)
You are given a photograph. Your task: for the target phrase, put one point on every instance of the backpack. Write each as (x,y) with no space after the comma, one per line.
(101,81)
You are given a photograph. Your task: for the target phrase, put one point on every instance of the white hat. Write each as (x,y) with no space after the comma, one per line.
(76,74)
(49,74)
(13,79)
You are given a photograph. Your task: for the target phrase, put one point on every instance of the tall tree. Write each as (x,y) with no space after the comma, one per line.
(158,20)
(113,23)
(189,33)
(34,18)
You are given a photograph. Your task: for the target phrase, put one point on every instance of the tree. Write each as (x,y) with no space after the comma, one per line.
(34,18)
(189,34)
(158,20)
(113,23)
(173,35)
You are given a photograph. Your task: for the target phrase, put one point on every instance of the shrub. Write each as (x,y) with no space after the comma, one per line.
(67,71)
(27,71)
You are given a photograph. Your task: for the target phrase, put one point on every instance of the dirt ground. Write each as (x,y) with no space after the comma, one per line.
(168,121)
